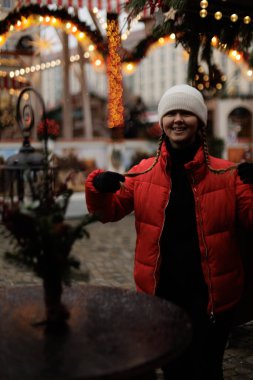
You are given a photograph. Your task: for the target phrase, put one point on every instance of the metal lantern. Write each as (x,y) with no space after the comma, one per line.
(23,172)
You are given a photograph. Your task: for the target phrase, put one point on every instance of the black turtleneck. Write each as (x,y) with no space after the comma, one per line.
(181,276)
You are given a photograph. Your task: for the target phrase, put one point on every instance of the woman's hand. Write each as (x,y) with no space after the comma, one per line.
(245,172)
(108,182)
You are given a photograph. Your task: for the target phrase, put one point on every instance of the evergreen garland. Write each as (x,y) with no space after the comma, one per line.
(195,33)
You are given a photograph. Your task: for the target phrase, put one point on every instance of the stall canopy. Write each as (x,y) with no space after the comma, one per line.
(116,6)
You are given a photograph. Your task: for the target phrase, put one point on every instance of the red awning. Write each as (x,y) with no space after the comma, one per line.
(109,5)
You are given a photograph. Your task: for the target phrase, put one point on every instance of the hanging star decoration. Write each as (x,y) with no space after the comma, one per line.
(41,44)
(159,18)
(170,15)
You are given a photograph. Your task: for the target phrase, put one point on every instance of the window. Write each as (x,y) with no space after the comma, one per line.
(7,4)
(239,124)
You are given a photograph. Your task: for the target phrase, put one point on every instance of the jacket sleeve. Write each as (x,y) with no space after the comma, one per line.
(244,198)
(109,207)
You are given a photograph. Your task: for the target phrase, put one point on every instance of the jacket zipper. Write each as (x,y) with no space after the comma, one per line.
(159,247)
(212,316)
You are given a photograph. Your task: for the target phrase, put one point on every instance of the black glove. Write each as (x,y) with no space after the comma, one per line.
(245,171)
(108,182)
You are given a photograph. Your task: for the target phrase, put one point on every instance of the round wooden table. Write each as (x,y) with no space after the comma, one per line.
(113,334)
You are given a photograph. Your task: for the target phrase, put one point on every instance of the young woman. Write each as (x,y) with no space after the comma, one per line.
(188,209)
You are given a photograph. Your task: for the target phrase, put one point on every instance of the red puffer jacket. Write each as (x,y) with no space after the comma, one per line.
(222,202)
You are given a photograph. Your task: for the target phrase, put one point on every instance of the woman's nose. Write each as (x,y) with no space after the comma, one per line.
(178,117)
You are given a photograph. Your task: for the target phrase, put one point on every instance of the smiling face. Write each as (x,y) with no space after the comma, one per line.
(180,127)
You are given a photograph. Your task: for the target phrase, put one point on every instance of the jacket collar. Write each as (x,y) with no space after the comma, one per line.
(197,165)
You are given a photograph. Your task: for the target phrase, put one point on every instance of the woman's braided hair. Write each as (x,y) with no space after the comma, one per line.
(158,152)
(202,130)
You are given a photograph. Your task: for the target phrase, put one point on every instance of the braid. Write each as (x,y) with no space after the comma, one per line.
(158,152)
(207,157)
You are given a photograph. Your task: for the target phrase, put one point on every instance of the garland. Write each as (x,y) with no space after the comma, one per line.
(195,33)
(62,14)
(180,17)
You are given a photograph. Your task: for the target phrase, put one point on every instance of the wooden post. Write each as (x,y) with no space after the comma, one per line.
(87,118)
(67,101)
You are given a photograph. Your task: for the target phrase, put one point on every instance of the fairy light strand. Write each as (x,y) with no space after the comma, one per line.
(115,87)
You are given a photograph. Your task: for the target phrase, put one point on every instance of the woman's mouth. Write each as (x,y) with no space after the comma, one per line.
(179,129)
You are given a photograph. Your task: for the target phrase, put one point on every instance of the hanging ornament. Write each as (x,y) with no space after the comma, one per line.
(170,15)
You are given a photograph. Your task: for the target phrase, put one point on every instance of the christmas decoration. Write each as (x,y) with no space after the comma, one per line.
(52,128)
(196,23)
(115,100)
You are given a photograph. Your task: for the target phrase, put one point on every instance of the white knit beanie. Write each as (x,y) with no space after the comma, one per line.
(183,97)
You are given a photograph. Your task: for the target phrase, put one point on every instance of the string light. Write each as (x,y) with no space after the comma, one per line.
(247,19)
(234,17)
(203,13)
(69,27)
(115,88)
(218,15)
(204,4)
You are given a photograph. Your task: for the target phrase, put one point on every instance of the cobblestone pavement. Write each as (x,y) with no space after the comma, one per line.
(108,259)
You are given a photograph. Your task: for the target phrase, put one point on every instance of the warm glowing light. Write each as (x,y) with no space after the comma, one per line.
(214,41)
(42,44)
(249,73)
(204,4)
(203,13)
(115,87)
(172,36)
(124,36)
(218,86)
(98,62)
(81,35)
(218,15)
(91,48)
(74,29)
(200,86)
(2,40)
(234,53)
(234,17)
(47,19)
(200,69)
(247,19)
(238,57)
(68,25)
(86,55)
(24,21)
(95,10)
